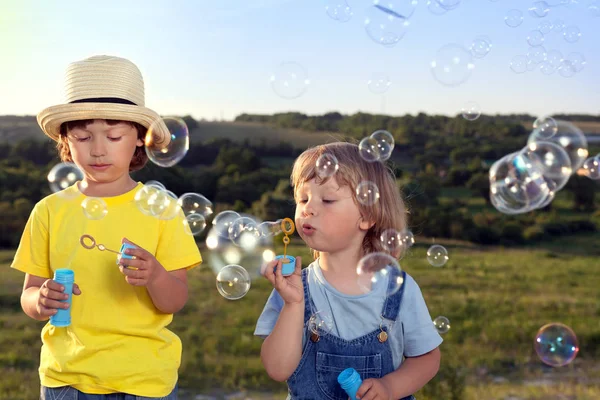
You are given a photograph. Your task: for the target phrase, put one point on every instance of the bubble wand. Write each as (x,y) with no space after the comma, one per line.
(289,262)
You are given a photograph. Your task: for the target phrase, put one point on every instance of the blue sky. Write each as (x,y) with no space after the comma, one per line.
(213,59)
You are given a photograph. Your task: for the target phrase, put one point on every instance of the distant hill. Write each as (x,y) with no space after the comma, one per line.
(16,128)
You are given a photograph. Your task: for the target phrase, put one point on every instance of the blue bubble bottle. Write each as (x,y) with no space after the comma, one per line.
(350,381)
(65,277)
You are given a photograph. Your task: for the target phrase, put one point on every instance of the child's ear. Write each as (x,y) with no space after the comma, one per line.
(365,225)
(139,143)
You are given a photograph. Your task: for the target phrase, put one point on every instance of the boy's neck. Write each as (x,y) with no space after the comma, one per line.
(107,189)
(339,269)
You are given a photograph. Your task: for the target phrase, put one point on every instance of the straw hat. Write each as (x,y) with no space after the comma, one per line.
(104,87)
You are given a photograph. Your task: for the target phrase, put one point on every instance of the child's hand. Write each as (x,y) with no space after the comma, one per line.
(49,296)
(374,389)
(289,287)
(148,267)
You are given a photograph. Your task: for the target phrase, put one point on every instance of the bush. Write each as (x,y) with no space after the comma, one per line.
(556,228)
(535,233)
(512,232)
(483,235)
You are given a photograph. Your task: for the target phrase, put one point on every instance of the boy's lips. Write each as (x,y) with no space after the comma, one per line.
(99,167)
(308,229)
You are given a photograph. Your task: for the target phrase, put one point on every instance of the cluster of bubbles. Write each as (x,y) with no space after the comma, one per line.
(556,344)
(177,146)
(529,179)
(235,240)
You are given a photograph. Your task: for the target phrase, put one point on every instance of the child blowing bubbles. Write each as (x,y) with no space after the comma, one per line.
(341,231)
(118,341)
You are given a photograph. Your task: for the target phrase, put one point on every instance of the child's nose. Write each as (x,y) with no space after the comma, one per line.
(98,149)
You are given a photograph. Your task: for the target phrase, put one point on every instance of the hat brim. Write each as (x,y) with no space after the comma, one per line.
(51,118)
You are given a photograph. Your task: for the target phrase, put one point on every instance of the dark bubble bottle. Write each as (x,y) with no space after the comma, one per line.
(65,277)
(350,381)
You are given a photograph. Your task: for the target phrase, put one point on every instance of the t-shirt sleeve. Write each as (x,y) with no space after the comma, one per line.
(32,256)
(420,335)
(176,247)
(270,314)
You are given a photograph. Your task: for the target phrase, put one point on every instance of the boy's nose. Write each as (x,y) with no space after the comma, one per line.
(98,150)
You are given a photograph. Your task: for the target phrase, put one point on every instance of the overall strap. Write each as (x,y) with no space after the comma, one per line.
(391,306)
(307,300)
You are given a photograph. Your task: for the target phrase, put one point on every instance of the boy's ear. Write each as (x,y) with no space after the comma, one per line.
(365,225)
(139,143)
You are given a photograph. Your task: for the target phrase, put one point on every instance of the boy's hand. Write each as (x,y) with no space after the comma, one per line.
(148,267)
(289,287)
(50,295)
(373,389)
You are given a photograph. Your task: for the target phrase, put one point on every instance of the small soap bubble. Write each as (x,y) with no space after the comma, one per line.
(378,268)
(178,146)
(387,23)
(379,83)
(577,60)
(63,175)
(435,7)
(518,64)
(368,149)
(546,126)
(441,324)
(547,68)
(94,208)
(536,54)
(566,69)
(145,196)
(546,27)
(554,57)
(594,8)
(367,193)
(163,205)
(572,34)
(327,165)
(155,184)
(539,9)
(452,65)
(338,10)
(535,38)
(321,322)
(385,143)
(268,228)
(223,221)
(194,224)
(391,241)
(556,344)
(513,18)
(191,203)
(407,238)
(481,46)
(437,255)
(471,111)
(289,80)
(559,26)
(233,282)
(244,232)
(591,168)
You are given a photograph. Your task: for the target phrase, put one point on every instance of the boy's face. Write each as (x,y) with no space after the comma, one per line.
(327,218)
(103,152)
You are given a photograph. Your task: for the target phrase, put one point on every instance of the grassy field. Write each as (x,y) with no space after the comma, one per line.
(495,298)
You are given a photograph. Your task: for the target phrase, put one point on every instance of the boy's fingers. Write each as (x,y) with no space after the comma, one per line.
(298,269)
(279,280)
(364,388)
(48,293)
(53,285)
(76,289)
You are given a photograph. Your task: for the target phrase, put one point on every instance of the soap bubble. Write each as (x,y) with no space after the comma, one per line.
(591,168)
(556,344)
(539,9)
(546,27)
(368,149)
(379,83)
(471,111)
(566,69)
(192,203)
(172,153)
(367,193)
(437,255)
(594,8)
(569,137)
(223,221)
(289,80)
(481,46)
(572,34)
(338,10)
(327,165)
(233,282)
(547,68)
(407,238)
(63,175)
(535,38)
(519,64)
(559,26)
(449,4)
(385,143)
(156,184)
(194,224)
(244,232)
(441,324)
(513,18)
(378,268)
(452,65)
(321,322)
(145,197)
(546,127)
(269,228)
(387,24)
(391,241)
(435,7)
(577,60)
(163,205)
(94,208)
(550,159)
(554,57)
(536,54)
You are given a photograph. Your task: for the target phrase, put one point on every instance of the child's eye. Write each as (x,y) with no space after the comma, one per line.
(83,139)
(328,201)
(114,139)
(302,201)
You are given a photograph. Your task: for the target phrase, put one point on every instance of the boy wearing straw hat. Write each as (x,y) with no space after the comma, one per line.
(117,345)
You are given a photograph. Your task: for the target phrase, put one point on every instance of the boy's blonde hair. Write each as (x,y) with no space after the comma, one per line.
(388,213)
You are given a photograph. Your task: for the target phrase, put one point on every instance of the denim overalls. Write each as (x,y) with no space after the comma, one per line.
(324,355)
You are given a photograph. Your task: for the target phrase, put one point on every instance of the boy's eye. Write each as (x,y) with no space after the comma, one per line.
(114,139)
(328,201)
(81,139)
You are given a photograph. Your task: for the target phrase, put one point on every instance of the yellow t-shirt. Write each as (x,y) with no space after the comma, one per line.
(118,340)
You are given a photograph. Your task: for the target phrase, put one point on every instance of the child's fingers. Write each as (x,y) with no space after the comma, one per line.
(269,271)
(132,273)
(298,269)
(135,263)
(76,289)
(364,388)
(279,279)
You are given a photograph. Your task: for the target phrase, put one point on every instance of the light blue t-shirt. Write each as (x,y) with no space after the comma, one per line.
(412,334)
